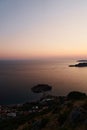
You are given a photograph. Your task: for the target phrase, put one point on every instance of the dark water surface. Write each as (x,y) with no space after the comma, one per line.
(17,78)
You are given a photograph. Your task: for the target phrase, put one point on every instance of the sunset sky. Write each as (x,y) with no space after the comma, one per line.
(43,28)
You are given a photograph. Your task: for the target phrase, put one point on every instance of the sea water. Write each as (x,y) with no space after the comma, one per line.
(18,77)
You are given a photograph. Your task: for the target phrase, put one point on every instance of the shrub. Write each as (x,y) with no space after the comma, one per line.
(75,95)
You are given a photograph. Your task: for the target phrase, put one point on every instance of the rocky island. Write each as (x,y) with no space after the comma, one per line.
(83,63)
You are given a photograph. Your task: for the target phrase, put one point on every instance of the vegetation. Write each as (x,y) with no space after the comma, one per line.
(75,95)
(58,113)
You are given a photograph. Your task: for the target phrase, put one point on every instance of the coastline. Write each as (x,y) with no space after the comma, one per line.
(48,107)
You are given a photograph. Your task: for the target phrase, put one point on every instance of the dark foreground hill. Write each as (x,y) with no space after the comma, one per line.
(51,113)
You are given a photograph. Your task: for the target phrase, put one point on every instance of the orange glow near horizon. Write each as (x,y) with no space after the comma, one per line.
(25,55)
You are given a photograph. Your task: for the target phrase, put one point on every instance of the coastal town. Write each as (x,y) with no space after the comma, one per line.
(12,111)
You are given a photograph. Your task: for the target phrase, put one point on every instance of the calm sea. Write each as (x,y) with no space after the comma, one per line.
(18,77)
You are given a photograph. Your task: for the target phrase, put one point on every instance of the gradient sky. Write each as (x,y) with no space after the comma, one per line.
(43,28)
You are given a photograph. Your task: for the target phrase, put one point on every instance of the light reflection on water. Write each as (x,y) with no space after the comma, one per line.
(17,78)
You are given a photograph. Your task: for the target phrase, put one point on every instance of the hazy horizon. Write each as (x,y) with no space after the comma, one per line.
(44,59)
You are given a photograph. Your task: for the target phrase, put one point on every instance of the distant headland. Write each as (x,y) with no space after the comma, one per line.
(82,63)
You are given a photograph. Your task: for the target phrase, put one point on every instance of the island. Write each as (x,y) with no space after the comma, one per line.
(81,64)
(82,61)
